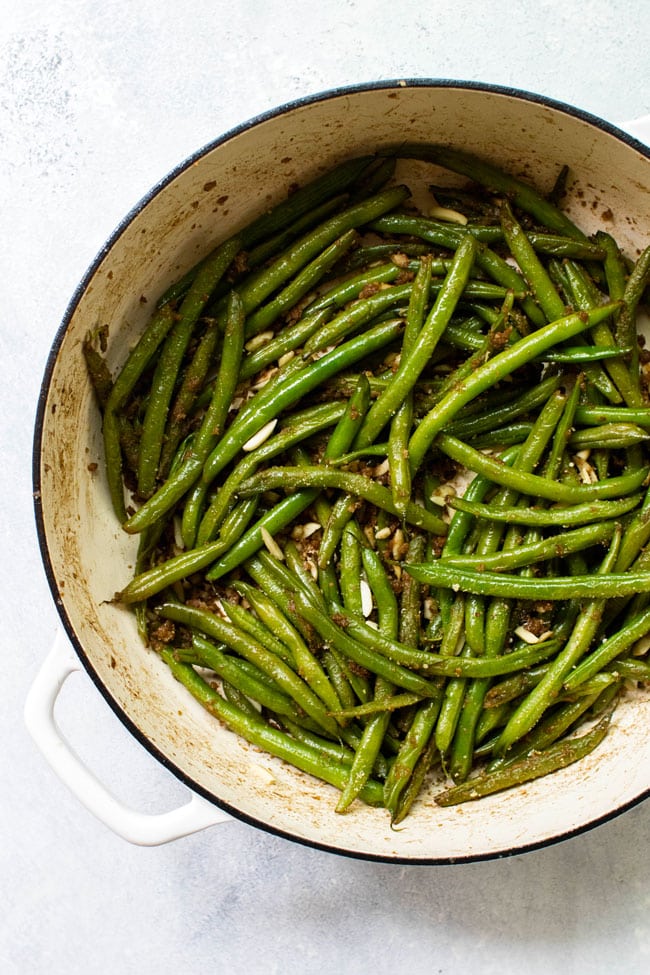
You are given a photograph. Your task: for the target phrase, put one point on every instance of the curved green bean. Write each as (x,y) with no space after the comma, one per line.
(501,365)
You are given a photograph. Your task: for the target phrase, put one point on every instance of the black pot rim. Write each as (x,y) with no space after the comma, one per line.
(178,772)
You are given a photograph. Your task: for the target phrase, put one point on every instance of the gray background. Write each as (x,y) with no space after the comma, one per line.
(98,100)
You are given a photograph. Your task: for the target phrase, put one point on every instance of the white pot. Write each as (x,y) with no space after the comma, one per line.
(88,557)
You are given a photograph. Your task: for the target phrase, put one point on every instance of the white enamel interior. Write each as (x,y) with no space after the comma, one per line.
(90,557)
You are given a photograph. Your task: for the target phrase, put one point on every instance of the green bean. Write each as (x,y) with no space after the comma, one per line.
(522,194)
(137,361)
(529,712)
(271,739)
(400,426)
(610,435)
(413,746)
(531,267)
(484,414)
(493,620)
(169,363)
(527,458)
(346,429)
(509,689)
(487,260)
(554,245)
(185,399)
(236,698)
(333,520)
(229,668)
(98,371)
(559,755)
(289,391)
(267,314)
(176,485)
(267,248)
(298,427)
(487,348)
(457,534)
(286,340)
(437,665)
(369,254)
(380,705)
(615,267)
(626,333)
(464,335)
(351,287)
(279,583)
(362,655)
(274,520)
(517,587)
(426,375)
(535,485)
(557,723)
(450,708)
(337,179)
(307,665)
(394,296)
(630,669)
(375,729)
(585,353)
(508,436)
(350,572)
(559,544)
(596,415)
(537,517)
(244,620)
(453,631)
(586,296)
(259,285)
(609,649)
(503,405)
(288,681)
(415,358)
(292,478)
(323,745)
(376,174)
(154,580)
(413,786)
(495,369)
(635,537)
(295,564)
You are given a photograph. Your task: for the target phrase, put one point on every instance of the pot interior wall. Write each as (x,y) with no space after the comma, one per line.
(90,557)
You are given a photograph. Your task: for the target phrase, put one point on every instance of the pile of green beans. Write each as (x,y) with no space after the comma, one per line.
(389,473)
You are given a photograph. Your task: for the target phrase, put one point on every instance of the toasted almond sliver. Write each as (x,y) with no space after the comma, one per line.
(526,635)
(367,604)
(641,647)
(531,638)
(262,338)
(450,216)
(271,544)
(287,357)
(258,438)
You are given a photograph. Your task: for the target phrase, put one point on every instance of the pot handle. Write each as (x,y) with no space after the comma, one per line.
(135,827)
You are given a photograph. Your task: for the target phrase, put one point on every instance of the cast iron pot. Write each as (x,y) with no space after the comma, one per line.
(88,557)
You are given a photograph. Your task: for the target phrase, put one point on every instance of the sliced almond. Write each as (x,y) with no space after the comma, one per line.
(258,438)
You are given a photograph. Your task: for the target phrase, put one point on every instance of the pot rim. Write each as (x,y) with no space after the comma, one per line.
(139,206)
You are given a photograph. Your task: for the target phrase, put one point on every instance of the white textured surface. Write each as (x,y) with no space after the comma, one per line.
(98,101)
